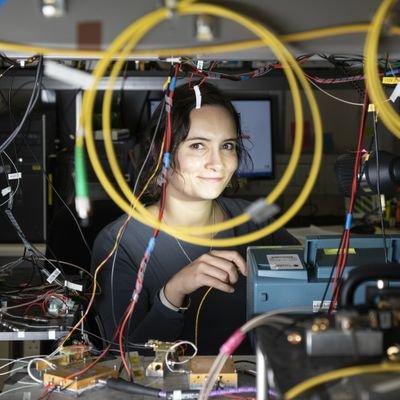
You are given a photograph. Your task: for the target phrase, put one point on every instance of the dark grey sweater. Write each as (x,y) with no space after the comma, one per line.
(221,313)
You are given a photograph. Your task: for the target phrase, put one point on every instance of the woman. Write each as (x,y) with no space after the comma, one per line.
(206,149)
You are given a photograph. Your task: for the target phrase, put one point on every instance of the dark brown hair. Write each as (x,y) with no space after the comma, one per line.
(184,101)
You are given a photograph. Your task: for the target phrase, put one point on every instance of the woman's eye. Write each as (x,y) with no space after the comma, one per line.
(197,146)
(229,146)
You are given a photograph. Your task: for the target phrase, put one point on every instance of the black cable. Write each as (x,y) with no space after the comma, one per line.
(340,246)
(128,327)
(45,174)
(134,388)
(378,190)
(31,104)
(321,306)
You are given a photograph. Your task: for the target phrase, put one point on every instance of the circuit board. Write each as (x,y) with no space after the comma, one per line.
(200,367)
(60,377)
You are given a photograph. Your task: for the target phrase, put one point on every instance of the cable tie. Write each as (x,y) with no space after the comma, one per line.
(396,93)
(173,84)
(168,100)
(259,211)
(172,60)
(391,72)
(151,244)
(166,159)
(168,103)
(349,218)
(232,343)
(197,92)
(135,297)
(160,179)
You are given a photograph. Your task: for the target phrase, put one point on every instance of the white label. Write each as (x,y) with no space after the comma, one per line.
(54,275)
(177,395)
(6,190)
(21,334)
(284,261)
(52,335)
(15,175)
(73,286)
(316,305)
(396,93)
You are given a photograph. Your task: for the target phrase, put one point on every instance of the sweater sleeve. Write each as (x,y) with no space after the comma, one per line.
(150,318)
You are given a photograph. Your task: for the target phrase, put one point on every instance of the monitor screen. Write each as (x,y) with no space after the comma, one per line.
(256,123)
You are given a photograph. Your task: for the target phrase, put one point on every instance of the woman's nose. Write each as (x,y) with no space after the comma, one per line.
(214,159)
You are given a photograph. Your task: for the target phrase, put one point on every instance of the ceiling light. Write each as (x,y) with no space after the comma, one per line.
(53,8)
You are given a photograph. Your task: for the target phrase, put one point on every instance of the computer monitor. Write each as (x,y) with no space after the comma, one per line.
(256,124)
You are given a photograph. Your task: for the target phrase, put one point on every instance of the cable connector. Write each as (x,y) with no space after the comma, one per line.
(172,60)
(82,206)
(259,211)
(171,5)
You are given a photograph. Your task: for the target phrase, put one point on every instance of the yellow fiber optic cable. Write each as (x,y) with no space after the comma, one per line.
(338,374)
(114,163)
(386,112)
(209,49)
(270,40)
(324,32)
(196,324)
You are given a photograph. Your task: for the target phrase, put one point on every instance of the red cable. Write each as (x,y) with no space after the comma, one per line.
(344,248)
(143,263)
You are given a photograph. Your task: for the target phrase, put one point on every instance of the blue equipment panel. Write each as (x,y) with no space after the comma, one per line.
(295,276)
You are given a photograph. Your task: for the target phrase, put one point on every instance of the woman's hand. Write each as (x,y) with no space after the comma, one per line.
(218,269)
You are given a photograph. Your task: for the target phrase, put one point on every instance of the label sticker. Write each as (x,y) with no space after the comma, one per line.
(5,191)
(284,261)
(15,175)
(333,252)
(73,286)
(53,275)
(390,80)
(316,305)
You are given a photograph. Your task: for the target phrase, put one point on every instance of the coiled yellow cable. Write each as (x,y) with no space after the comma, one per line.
(131,36)
(386,112)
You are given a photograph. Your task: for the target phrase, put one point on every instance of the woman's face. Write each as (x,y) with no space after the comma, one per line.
(207,158)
